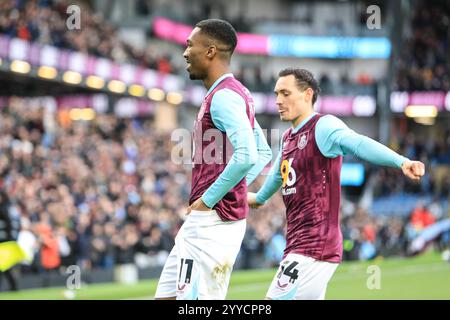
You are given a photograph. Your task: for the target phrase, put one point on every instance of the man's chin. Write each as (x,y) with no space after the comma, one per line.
(193,76)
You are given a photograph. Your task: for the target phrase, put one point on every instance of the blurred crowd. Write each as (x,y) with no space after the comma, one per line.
(44,22)
(92,195)
(367,237)
(434,153)
(424,63)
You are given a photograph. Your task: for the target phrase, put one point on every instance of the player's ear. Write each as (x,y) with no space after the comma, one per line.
(212,50)
(309,94)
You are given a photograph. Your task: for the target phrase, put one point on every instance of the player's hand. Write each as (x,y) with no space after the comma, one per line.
(413,169)
(251,199)
(198,205)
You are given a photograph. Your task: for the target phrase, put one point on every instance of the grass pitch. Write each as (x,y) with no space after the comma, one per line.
(423,277)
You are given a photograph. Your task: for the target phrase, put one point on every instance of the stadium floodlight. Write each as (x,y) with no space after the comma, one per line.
(72,77)
(95,82)
(75,114)
(425,121)
(20,66)
(84,114)
(136,90)
(421,111)
(88,114)
(156,94)
(47,72)
(116,86)
(174,98)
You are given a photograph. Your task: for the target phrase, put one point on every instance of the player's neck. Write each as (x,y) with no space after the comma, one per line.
(215,74)
(301,118)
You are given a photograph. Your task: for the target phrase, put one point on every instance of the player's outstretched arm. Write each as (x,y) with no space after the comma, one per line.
(334,139)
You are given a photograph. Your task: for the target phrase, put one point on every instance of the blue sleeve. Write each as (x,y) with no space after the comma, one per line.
(334,139)
(264,154)
(228,114)
(272,183)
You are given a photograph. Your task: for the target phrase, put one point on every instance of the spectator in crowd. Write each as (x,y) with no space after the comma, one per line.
(8,232)
(29,244)
(421,218)
(49,250)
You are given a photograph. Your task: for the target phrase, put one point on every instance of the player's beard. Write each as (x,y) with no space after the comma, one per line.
(195,75)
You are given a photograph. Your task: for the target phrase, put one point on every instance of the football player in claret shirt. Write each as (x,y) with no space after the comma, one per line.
(307,169)
(199,266)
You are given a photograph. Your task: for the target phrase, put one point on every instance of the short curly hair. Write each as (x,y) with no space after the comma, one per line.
(221,31)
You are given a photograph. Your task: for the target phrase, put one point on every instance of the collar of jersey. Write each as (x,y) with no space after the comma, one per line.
(215,84)
(297,128)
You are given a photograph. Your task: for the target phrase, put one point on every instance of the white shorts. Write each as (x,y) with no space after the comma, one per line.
(200,263)
(301,278)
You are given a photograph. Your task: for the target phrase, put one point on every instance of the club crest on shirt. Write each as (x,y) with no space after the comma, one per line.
(303,140)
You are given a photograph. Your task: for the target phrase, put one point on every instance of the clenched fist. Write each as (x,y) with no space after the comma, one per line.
(413,169)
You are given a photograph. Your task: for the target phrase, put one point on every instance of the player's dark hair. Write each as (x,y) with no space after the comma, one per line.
(221,31)
(305,80)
